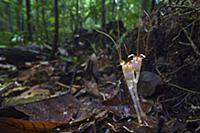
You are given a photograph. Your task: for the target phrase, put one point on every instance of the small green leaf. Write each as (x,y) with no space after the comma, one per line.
(51,19)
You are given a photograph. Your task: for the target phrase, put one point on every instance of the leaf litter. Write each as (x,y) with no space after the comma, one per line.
(80,95)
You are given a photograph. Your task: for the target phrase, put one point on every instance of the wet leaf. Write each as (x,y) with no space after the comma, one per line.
(59,109)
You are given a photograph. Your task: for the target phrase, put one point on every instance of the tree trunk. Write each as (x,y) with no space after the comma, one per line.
(81,8)
(113,9)
(56,26)
(37,27)
(120,10)
(153,3)
(44,20)
(9,12)
(29,26)
(19,15)
(144,7)
(22,22)
(103,6)
(93,12)
(72,21)
(77,15)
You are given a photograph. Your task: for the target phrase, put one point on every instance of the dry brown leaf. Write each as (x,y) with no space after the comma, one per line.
(11,125)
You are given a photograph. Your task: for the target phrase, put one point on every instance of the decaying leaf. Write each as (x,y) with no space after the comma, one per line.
(92,88)
(59,109)
(28,96)
(38,73)
(11,125)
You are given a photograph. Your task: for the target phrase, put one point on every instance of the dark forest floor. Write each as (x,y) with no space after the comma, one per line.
(84,90)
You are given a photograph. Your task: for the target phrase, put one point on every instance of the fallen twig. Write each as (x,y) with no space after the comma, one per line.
(191,42)
(183,89)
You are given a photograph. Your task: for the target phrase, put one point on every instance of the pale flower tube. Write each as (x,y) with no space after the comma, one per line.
(131,71)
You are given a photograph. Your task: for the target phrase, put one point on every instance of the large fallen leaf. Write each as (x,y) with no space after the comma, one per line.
(82,124)
(28,96)
(11,125)
(59,109)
